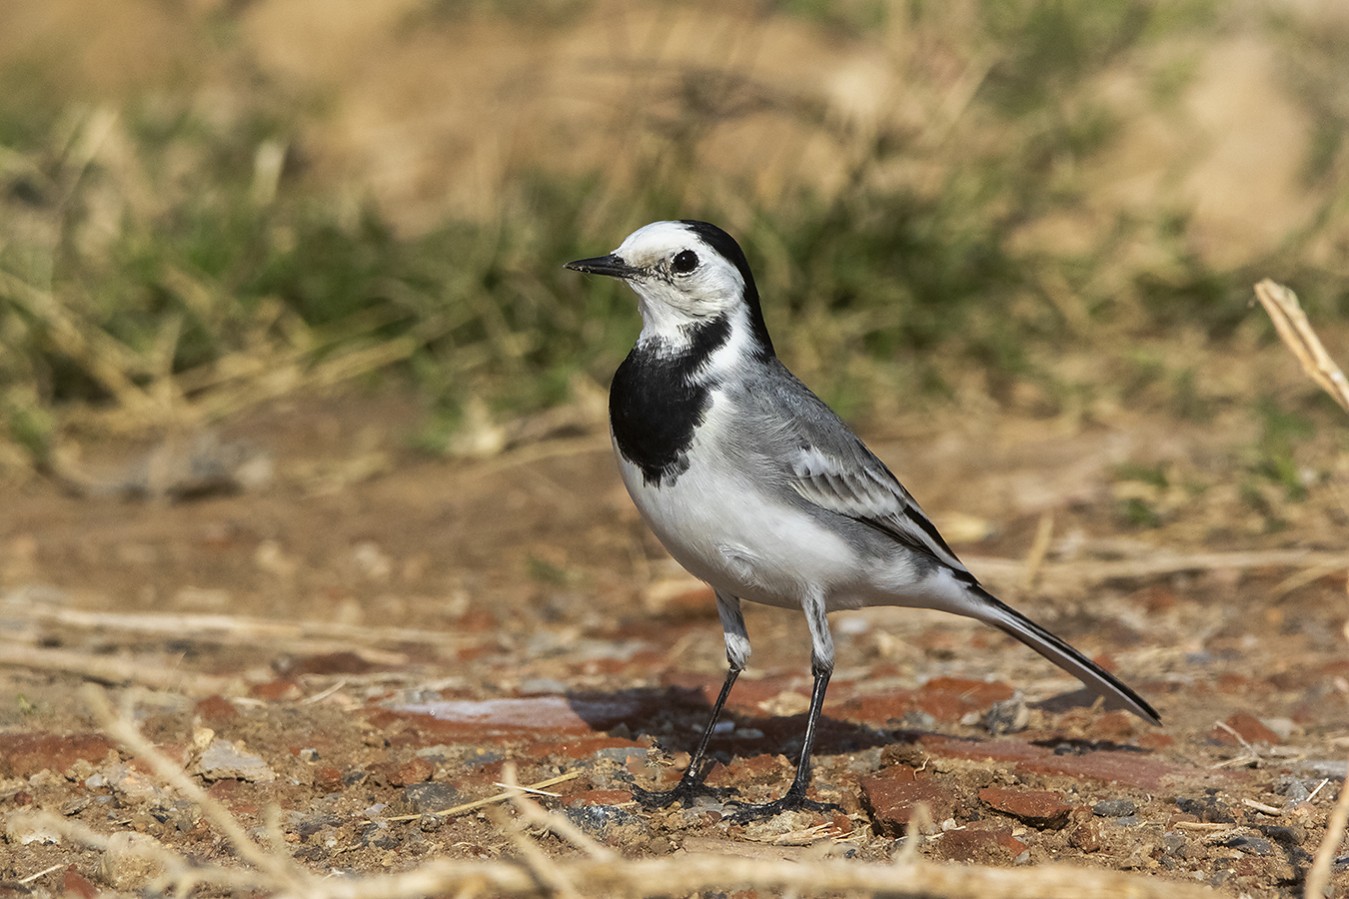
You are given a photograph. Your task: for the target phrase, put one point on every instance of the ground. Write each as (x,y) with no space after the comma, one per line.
(372,637)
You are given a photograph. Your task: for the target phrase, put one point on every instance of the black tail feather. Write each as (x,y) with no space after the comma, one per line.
(1058,651)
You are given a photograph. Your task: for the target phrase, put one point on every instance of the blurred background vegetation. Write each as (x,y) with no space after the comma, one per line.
(1026,206)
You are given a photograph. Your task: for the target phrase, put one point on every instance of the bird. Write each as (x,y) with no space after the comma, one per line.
(756,487)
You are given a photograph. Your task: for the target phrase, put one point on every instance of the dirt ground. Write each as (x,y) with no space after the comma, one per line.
(369,639)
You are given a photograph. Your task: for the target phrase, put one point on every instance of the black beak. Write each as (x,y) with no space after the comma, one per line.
(609,265)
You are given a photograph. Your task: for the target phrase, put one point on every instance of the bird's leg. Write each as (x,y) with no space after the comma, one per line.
(690,786)
(822,667)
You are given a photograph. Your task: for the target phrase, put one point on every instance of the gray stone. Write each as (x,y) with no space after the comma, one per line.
(598,818)
(427,798)
(223,760)
(1007,716)
(1250,845)
(1114,808)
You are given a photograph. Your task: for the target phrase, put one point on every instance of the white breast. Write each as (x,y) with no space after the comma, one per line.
(737,535)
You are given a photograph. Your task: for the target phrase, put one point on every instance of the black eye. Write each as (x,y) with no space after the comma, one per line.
(685,262)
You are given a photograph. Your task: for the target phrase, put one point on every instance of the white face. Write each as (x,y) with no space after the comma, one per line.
(680,279)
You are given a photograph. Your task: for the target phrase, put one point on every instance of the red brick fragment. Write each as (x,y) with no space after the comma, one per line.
(1085,836)
(1155,741)
(979,841)
(1248,727)
(328,778)
(215,710)
(25,754)
(280,690)
(892,796)
(880,709)
(1038,808)
(73,883)
(235,795)
(952,698)
(1108,766)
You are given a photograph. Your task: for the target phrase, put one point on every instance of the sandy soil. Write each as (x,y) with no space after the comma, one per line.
(375,634)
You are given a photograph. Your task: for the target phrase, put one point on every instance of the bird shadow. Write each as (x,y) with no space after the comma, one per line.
(674,717)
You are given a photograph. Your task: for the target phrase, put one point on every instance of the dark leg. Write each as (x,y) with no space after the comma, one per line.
(822,666)
(795,798)
(690,786)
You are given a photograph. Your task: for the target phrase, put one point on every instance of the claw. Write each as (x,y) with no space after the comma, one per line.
(792,802)
(686,792)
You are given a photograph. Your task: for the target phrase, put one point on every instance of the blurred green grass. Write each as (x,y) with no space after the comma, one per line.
(162,262)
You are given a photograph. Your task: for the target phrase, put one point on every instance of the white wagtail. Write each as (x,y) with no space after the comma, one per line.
(758,488)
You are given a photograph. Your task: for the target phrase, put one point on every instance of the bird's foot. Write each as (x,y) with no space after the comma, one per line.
(795,801)
(686,793)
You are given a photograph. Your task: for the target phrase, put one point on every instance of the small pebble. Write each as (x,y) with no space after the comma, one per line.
(598,818)
(1250,845)
(426,798)
(1114,808)
(1008,716)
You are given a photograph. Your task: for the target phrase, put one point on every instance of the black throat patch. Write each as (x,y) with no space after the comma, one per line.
(655,404)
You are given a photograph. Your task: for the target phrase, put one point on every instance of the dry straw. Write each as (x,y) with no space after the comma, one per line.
(1292,324)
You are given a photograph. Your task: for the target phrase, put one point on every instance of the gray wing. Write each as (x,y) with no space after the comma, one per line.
(826,464)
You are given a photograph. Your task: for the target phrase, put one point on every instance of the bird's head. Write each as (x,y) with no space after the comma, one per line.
(686,274)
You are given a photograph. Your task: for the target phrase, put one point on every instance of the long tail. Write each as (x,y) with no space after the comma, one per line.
(1116,693)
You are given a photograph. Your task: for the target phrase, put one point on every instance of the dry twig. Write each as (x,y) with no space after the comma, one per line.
(490,800)
(117,670)
(1292,324)
(314,636)
(1318,878)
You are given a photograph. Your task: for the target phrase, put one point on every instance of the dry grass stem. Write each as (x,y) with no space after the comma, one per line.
(232,629)
(37,875)
(117,670)
(1318,878)
(1292,324)
(490,800)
